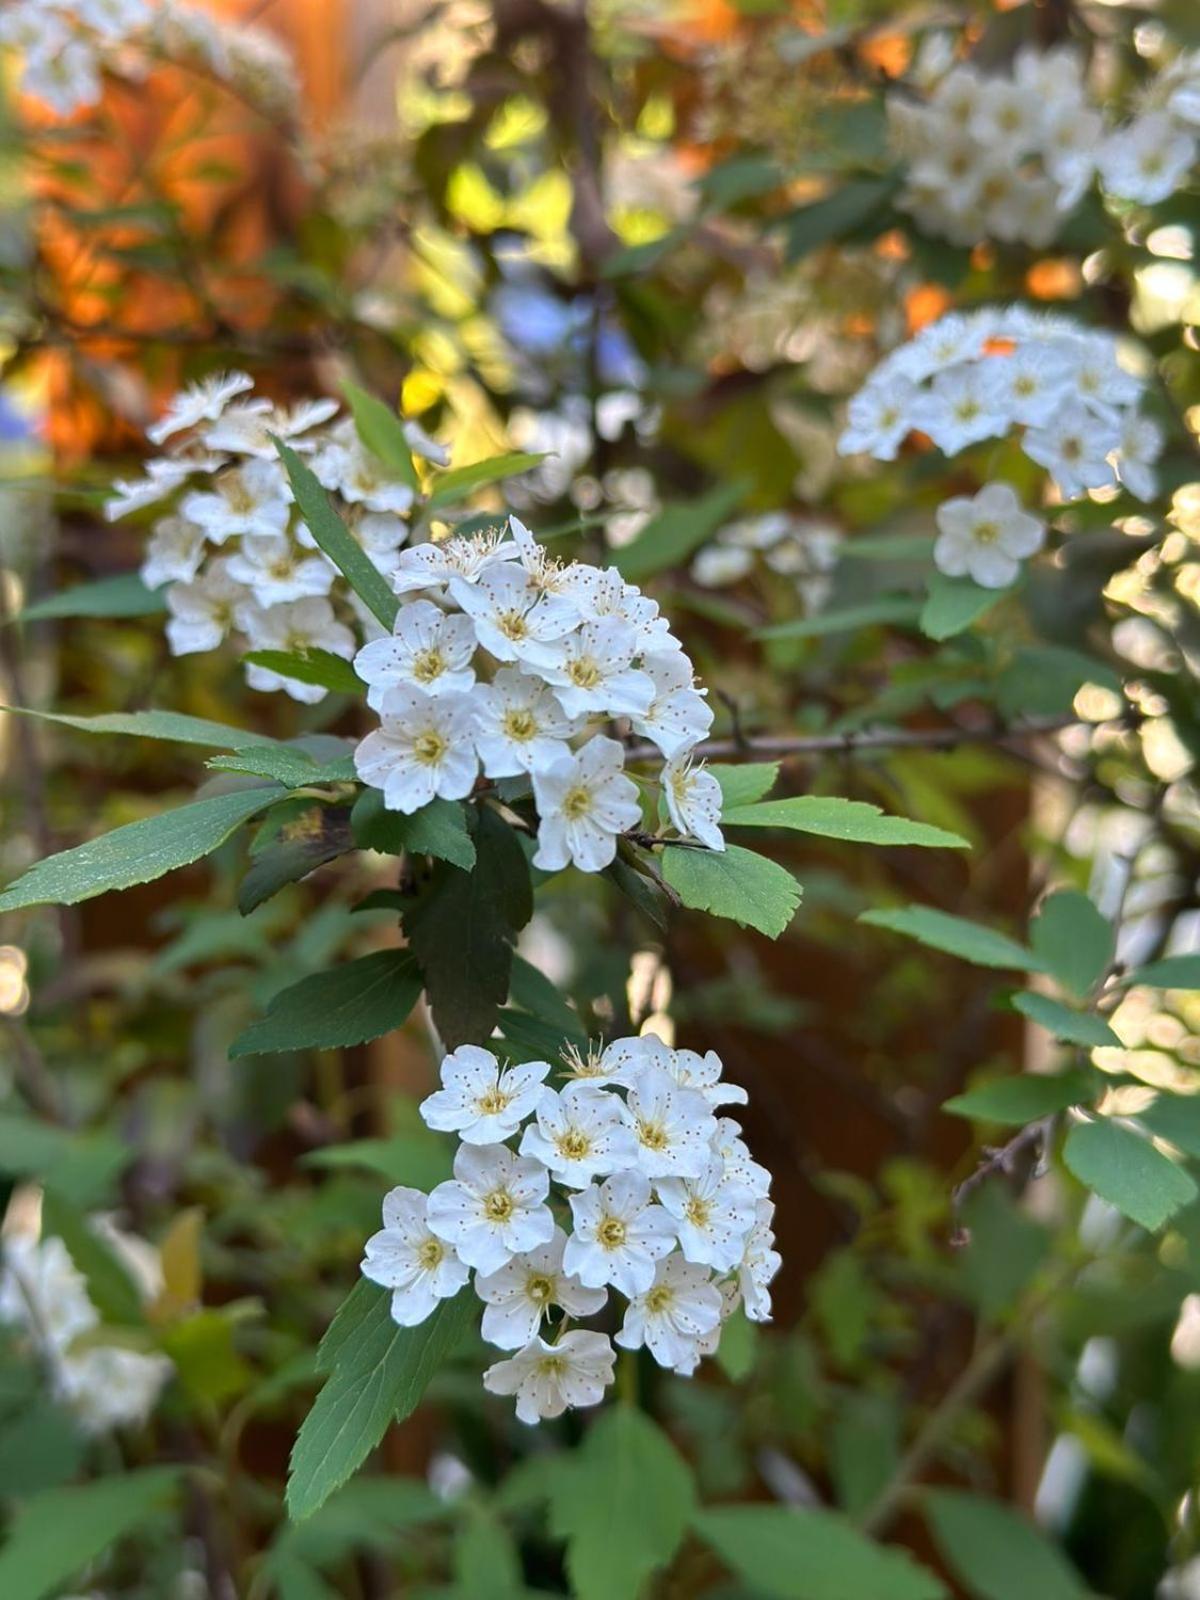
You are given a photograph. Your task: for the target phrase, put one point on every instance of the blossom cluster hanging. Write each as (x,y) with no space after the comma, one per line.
(978,375)
(625,1178)
(1009,155)
(105,1385)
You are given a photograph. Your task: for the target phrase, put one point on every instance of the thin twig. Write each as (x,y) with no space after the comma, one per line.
(788,746)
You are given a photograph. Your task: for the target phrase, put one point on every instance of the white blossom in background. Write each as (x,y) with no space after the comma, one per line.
(986,536)
(45,1297)
(622,1182)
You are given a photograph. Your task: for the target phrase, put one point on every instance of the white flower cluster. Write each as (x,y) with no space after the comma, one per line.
(804,551)
(502,660)
(977,375)
(1009,156)
(660,1195)
(104,1385)
(66,45)
(233,550)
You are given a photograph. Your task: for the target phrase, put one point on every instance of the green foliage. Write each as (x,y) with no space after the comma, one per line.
(347,1005)
(744,784)
(854,820)
(309,666)
(173,726)
(1024,1098)
(439,829)
(382,431)
(997,1554)
(1125,1169)
(957,936)
(122,596)
(1073,942)
(1171,972)
(450,488)
(954,604)
(331,533)
(81,1166)
(1073,1027)
(735,883)
(670,537)
(286,764)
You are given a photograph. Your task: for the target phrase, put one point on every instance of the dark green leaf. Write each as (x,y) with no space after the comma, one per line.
(438,829)
(858,206)
(123,596)
(382,431)
(1005,1248)
(742,785)
(335,539)
(856,821)
(286,764)
(1074,942)
(1074,1027)
(172,726)
(1125,1169)
(310,666)
(534,992)
(112,1290)
(1171,972)
(1175,1117)
(996,1552)
(347,1005)
(734,883)
(419,1161)
(900,609)
(983,947)
(321,835)
(1043,680)
(1024,1098)
(81,1166)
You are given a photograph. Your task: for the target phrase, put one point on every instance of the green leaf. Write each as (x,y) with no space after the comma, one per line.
(996,1552)
(956,936)
(622,1502)
(137,853)
(864,1448)
(534,992)
(418,1161)
(1074,1027)
(382,431)
(901,609)
(859,206)
(735,883)
(450,487)
(856,821)
(1024,1098)
(310,666)
(81,1166)
(1128,1171)
(123,596)
(110,1286)
(953,604)
(738,1346)
(335,539)
(320,835)
(172,726)
(485,1557)
(347,1005)
(794,1554)
(463,930)
(438,829)
(742,785)
(1005,1248)
(1074,942)
(670,537)
(1043,680)
(56,1534)
(378,1373)
(1171,972)
(1175,1117)
(288,765)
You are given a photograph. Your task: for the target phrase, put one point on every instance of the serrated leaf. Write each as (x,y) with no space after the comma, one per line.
(899,609)
(997,1553)
(640,889)
(1073,1027)
(856,821)
(172,726)
(953,604)
(1125,1169)
(956,936)
(382,431)
(54,1535)
(802,1554)
(1175,1117)
(122,596)
(1024,1098)
(1073,940)
(671,536)
(378,1373)
(310,666)
(622,1502)
(336,540)
(742,785)
(320,836)
(288,765)
(438,829)
(349,1004)
(747,888)
(1171,972)
(137,853)
(450,487)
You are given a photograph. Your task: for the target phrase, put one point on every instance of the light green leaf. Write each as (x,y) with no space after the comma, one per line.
(419,1161)
(123,596)
(900,609)
(1024,1098)
(382,431)
(347,1005)
(856,821)
(378,1373)
(450,487)
(794,1554)
(745,783)
(1128,1171)
(1175,1117)
(622,1502)
(953,604)
(171,726)
(335,539)
(1171,972)
(1074,942)
(735,883)
(670,537)
(1043,680)
(137,853)
(485,1558)
(56,1534)
(738,1346)
(81,1166)
(288,765)
(996,1552)
(438,829)
(310,666)
(1074,1027)
(983,947)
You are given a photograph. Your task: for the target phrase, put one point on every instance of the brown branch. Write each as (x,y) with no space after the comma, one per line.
(1000,1158)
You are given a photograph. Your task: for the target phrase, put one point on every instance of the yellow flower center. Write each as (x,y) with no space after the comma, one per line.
(986,532)
(697,1211)
(431,1254)
(498,1206)
(429,747)
(539,1289)
(428,665)
(611,1233)
(520,724)
(573,1145)
(659,1298)
(653,1135)
(584,673)
(512,625)
(577,802)
(238,496)
(491,1103)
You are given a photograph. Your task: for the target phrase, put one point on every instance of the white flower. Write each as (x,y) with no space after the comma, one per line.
(729,1145)
(986,536)
(43,1292)
(245,429)
(674,1315)
(958,410)
(678,716)
(294,627)
(673,1126)
(276,569)
(591,670)
(432,565)
(478,1100)
(1074,447)
(879,418)
(131,494)
(107,1386)
(360,477)
(512,616)
(422,748)
(199,402)
(713,1213)
(63,73)
(493,1208)
(519,1294)
(703,1073)
(1005,118)
(1099,379)
(114,19)
(618,1234)
(720,564)
(760,1262)
(204,611)
(619,1063)
(584,801)
(520,725)
(1147,160)
(427,650)
(1140,447)
(252,498)
(579,1134)
(174,554)
(408,1258)
(547,1378)
(1029,385)
(693,799)
(380,534)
